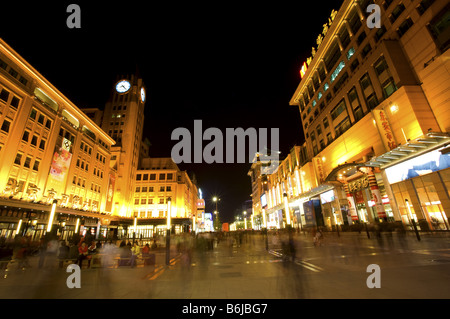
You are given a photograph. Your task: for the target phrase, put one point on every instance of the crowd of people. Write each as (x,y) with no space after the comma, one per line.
(77,250)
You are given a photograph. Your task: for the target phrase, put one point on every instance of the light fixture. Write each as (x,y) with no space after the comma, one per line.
(169,206)
(52,215)
(393,108)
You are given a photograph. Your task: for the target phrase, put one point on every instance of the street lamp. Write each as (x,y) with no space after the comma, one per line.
(286,208)
(169,203)
(245,219)
(216,199)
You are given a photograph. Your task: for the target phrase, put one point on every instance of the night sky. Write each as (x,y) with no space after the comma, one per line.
(229,64)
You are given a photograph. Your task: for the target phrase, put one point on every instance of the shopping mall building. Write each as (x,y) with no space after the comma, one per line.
(375,110)
(93,164)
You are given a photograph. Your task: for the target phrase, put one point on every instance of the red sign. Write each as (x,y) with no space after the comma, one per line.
(303,69)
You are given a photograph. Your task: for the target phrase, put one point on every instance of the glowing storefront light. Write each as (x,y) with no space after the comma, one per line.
(52,216)
(336,72)
(286,208)
(18,226)
(418,166)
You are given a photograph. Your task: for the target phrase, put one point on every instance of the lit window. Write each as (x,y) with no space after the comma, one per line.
(350,53)
(336,72)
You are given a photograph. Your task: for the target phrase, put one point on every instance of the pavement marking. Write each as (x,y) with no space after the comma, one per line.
(302,263)
(158,271)
(309,266)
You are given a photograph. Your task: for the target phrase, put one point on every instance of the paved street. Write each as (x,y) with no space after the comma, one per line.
(336,269)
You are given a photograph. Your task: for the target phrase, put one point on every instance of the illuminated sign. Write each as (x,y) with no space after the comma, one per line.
(319,40)
(263,200)
(327,197)
(110,193)
(385,129)
(303,70)
(418,166)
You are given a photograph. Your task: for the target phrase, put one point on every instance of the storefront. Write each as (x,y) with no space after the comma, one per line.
(421,187)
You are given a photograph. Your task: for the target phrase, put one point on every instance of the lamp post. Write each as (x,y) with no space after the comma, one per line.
(245,219)
(169,202)
(216,212)
(216,199)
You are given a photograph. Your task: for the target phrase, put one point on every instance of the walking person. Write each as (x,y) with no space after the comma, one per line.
(135,251)
(83,252)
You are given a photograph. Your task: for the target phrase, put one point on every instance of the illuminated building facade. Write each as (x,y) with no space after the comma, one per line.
(92,162)
(373,98)
(159,180)
(49,150)
(374,107)
(123,120)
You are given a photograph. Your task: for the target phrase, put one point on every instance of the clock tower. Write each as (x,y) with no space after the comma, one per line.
(123,120)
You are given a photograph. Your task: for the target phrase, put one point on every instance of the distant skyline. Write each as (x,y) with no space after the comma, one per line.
(230,65)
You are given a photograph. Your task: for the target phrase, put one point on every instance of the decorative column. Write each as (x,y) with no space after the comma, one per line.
(376,195)
(351,203)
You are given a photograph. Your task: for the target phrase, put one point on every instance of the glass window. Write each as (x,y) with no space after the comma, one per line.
(36,165)
(397,12)
(350,53)
(404,27)
(4,95)
(338,109)
(389,87)
(15,102)
(26,136)
(18,159)
(5,126)
(27,162)
(33,114)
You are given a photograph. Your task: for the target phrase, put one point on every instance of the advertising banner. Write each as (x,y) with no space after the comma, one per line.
(59,168)
(110,193)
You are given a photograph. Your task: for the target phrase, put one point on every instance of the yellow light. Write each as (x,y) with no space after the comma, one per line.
(52,215)
(394,108)
(323,159)
(286,208)
(18,226)
(169,204)
(264,218)
(77,225)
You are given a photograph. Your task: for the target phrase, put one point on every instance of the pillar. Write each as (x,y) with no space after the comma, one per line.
(376,195)
(351,203)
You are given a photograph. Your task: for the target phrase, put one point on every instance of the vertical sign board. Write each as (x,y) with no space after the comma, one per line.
(60,167)
(110,193)
(385,129)
(309,213)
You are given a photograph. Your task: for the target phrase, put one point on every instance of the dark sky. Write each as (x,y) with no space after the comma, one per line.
(229,64)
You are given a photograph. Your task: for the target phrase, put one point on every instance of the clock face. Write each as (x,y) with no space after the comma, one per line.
(142,94)
(123,86)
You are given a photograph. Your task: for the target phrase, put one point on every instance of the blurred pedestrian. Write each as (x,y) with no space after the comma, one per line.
(83,252)
(135,251)
(73,252)
(63,253)
(42,252)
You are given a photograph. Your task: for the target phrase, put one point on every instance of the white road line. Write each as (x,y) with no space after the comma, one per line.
(302,263)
